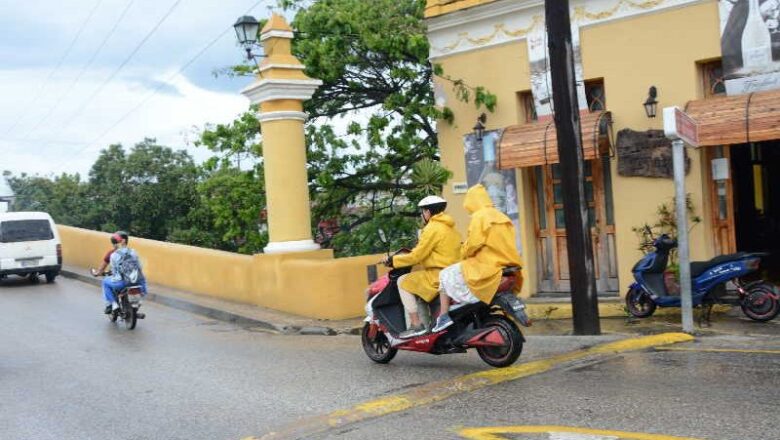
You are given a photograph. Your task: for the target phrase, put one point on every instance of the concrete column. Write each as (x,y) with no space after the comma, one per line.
(280,89)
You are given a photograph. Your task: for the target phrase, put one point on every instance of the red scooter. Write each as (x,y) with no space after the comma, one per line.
(492,329)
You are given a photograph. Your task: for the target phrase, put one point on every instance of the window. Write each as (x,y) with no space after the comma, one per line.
(14,231)
(527,106)
(712,79)
(596,95)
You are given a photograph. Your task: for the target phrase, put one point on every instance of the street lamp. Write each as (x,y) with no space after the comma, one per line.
(246,28)
(479,127)
(651,104)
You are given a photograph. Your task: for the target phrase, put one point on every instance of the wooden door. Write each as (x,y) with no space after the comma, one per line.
(552,254)
(721,201)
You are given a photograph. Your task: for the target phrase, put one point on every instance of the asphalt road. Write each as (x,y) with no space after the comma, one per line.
(67,373)
(701,390)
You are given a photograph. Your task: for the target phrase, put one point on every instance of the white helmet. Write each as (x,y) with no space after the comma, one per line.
(431,200)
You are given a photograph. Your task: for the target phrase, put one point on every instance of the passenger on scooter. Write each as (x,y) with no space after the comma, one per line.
(490,247)
(438,247)
(121,256)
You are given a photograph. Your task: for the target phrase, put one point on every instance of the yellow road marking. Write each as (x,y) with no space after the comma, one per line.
(717,350)
(437,391)
(494,432)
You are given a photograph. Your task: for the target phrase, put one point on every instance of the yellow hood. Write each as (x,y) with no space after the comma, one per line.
(444,219)
(477,198)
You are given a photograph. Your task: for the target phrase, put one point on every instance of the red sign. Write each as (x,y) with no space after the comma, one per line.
(686,127)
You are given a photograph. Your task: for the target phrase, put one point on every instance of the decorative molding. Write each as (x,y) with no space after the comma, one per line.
(273,89)
(276,34)
(506,21)
(281,247)
(282,116)
(282,66)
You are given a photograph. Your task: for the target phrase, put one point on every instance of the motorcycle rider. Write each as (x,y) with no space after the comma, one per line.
(114,282)
(490,246)
(438,247)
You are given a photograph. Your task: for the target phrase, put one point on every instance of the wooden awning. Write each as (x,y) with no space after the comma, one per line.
(536,143)
(738,119)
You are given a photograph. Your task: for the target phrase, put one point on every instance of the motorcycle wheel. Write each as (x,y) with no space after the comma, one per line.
(377,349)
(639,304)
(502,356)
(130,317)
(758,304)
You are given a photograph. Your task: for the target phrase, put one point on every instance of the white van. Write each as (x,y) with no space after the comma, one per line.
(29,245)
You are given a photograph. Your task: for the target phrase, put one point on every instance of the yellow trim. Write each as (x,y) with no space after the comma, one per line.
(718,350)
(493,433)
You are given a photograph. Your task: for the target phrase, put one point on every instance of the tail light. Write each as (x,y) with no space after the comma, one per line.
(59,254)
(753,263)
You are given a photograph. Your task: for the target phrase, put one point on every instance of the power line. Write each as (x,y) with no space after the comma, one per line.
(83,69)
(138,47)
(156,90)
(55,69)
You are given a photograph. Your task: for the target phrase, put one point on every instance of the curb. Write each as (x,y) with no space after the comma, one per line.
(222,315)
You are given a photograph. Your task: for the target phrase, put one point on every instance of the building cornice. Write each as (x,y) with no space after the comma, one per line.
(505,21)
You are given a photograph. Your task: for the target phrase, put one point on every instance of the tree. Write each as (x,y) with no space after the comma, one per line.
(231,195)
(148,192)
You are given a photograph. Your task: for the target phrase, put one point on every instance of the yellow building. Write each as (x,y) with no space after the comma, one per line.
(682,48)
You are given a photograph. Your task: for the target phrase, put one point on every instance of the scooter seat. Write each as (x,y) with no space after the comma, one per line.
(699,267)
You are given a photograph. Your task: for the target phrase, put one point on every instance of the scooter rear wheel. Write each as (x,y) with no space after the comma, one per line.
(759,305)
(378,349)
(639,303)
(507,355)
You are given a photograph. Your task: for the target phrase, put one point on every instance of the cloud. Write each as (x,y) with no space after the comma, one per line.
(48,120)
(69,141)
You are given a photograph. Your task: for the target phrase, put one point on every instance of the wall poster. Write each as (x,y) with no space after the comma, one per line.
(481,167)
(750,45)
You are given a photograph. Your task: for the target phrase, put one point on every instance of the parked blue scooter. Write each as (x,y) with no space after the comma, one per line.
(759,300)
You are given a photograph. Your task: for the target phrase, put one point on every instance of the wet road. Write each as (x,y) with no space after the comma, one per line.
(723,388)
(67,373)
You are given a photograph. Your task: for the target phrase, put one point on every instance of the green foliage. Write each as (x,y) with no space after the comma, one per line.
(665,223)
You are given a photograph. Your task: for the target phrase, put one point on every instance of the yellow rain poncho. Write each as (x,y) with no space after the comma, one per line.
(438,247)
(489,247)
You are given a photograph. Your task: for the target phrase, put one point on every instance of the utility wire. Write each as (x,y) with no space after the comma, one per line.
(154,92)
(113,75)
(38,94)
(108,36)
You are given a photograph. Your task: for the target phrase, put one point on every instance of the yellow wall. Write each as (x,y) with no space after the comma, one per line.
(312,284)
(631,54)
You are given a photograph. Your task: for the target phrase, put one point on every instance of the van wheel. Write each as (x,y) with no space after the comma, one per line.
(50,277)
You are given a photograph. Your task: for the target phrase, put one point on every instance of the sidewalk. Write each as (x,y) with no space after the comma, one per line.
(551,316)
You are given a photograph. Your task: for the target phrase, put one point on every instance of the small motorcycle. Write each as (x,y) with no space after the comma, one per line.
(491,329)
(129,300)
(758,299)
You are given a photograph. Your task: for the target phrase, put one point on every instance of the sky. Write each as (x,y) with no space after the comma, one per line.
(75,77)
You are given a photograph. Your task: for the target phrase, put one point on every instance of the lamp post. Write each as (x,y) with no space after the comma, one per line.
(246,28)
(479,127)
(651,104)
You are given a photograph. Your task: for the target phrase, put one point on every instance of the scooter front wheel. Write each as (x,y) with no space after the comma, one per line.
(639,303)
(759,304)
(377,348)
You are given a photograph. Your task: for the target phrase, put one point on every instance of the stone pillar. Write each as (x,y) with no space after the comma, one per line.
(280,89)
